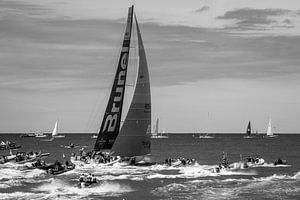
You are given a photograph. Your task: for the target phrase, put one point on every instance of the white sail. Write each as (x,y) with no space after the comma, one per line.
(54,132)
(269,130)
(155,133)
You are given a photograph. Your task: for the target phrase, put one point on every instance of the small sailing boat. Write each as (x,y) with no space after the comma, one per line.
(94,136)
(206,136)
(156,133)
(269,130)
(248,131)
(132,138)
(40,135)
(55,132)
(27,135)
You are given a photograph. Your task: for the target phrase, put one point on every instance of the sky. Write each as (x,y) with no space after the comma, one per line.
(214,64)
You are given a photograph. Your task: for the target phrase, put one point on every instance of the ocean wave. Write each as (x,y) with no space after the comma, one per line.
(159,171)
(20,195)
(270,187)
(8,174)
(10,183)
(272,165)
(12,177)
(59,188)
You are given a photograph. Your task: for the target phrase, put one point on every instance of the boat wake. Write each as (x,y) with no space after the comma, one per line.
(270,187)
(158,171)
(272,165)
(12,174)
(58,188)
(12,177)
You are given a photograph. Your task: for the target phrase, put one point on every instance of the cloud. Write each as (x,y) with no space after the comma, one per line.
(261,20)
(203,9)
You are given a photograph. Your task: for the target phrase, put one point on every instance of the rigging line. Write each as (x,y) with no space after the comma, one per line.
(132,69)
(97,111)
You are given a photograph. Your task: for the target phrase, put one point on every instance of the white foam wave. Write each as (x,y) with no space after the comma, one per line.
(274,177)
(271,165)
(12,165)
(17,174)
(203,171)
(118,172)
(278,177)
(20,195)
(12,177)
(10,183)
(58,188)
(296,176)
(120,177)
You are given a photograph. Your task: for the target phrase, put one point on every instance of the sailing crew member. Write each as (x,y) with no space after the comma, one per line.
(94,180)
(224,160)
(256,159)
(89,178)
(81,178)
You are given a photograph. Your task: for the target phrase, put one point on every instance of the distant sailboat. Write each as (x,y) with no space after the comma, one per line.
(248,131)
(206,136)
(55,132)
(269,130)
(40,135)
(94,136)
(132,139)
(156,133)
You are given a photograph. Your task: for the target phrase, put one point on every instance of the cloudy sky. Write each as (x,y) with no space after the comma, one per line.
(214,64)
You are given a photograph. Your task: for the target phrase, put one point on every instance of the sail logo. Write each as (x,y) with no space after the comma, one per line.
(112,119)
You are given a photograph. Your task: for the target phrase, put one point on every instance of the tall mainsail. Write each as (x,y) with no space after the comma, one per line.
(248,131)
(134,136)
(269,130)
(133,139)
(110,126)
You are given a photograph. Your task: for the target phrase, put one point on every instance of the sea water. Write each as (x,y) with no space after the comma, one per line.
(160,181)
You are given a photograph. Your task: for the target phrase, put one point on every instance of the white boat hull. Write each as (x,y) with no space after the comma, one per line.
(271,136)
(41,136)
(58,136)
(206,137)
(159,137)
(249,137)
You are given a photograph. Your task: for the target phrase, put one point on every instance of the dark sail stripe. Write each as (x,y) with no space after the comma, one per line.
(110,126)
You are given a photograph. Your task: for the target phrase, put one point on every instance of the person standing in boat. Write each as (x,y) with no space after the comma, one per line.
(94,180)
(89,178)
(224,160)
(81,178)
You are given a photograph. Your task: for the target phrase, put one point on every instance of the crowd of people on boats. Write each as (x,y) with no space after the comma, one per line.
(253,160)
(9,145)
(180,161)
(87,180)
(224,163)
(53,168)
(279,161)
(3,159)
(249,161)
(22,156)
(97,157)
